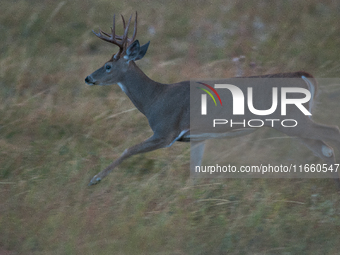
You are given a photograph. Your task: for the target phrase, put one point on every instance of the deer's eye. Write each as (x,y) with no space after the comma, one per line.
(108,67)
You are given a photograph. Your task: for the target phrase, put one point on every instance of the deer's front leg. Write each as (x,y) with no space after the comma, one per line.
(150,144)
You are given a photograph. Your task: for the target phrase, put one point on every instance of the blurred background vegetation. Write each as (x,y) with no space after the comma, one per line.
(56,132)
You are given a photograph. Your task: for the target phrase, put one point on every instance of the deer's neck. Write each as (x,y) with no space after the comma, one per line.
(141,90)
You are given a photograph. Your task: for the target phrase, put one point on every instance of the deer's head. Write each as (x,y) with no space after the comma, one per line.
(114,70)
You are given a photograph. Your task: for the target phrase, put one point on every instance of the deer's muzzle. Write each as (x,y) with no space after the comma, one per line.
(89,80)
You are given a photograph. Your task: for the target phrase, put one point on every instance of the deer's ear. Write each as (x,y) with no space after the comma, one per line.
(135,51)
(143,50)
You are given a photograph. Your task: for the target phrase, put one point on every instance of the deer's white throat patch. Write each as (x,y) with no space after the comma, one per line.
(121,85)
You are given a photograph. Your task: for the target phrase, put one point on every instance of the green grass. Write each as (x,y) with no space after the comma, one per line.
(56,132)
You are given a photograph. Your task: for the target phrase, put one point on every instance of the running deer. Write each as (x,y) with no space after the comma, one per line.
(167,106)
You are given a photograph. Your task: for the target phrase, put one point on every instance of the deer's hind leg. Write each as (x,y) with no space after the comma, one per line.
(324,151)
(308,129)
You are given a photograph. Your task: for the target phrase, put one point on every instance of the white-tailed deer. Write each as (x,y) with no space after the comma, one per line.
(167,106)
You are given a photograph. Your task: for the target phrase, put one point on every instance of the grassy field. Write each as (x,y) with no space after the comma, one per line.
(56,132)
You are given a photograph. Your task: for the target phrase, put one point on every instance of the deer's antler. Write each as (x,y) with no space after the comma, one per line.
(121,41)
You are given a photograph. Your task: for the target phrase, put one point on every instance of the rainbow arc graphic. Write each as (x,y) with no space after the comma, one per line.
(209,93)
(204,97)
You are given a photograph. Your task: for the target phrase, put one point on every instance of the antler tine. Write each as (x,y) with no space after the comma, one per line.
(123,21)
(134,30)
(101,35)
(113,29)
(126,31)
(108,35)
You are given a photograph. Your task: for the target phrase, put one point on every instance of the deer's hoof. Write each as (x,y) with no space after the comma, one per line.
(94,180)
